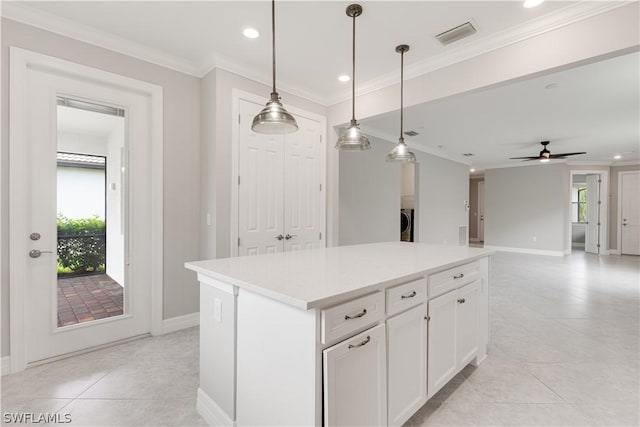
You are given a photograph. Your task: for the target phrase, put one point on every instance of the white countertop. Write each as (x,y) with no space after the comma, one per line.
(323,277)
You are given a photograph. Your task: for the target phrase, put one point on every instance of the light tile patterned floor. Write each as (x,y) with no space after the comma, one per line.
(564,352)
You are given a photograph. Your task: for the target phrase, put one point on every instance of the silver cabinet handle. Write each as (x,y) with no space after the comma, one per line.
(356,316)
(458,276)
(461,300)
(365,342)
(35,253)
(411,295)
(289,236)
(279,237)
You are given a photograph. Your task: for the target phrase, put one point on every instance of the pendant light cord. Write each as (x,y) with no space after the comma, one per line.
(273,43)
(353,72)
(401,91)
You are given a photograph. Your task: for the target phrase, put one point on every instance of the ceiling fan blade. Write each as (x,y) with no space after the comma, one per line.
(555,156)
(524,158)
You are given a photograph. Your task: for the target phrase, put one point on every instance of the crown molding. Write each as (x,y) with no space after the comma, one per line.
(22,13)
(523,164)
(626,163)
(485,44)
(392,139)
(605,164)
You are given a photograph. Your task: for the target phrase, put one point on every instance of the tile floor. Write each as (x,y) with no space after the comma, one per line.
(87,298)
(564,352)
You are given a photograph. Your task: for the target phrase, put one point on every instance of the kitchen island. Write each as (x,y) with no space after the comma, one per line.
(350,335)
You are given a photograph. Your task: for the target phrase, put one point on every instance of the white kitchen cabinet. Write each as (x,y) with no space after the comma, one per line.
(407,364)
(453,334)
(355,380)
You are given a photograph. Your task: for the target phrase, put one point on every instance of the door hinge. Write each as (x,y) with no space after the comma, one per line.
(320,187)
(320,235)
(598,245)
(238,241)
(320,138)
(599,202)
(599,181)
(238,179)
(239,116)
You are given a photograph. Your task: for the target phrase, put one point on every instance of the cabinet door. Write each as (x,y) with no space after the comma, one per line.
(355,380)
(442,341)
(407,364)
(467,328)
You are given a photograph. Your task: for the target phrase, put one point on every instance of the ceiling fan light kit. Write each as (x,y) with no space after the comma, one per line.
(545,155)
(401,152)
(353,139)
(274,118)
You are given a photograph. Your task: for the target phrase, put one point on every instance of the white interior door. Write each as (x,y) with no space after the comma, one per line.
(481,211)
(630,214)
(592,229)
(261,188)
(303,188)
(34,198)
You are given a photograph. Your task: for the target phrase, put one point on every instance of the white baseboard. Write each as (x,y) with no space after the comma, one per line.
(180,322)
(614,252)
(211,412)
(6,365)
(525,251)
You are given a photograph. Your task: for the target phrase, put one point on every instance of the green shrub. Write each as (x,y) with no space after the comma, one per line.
(81,244)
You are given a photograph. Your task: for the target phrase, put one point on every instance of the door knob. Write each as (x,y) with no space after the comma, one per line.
(279,237)
(289,236)
(35,253)
(34,236)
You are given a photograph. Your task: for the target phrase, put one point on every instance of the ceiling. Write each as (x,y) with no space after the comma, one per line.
(592,108)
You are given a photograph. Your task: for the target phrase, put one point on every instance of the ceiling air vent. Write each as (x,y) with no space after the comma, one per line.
(411,133)
(456,33)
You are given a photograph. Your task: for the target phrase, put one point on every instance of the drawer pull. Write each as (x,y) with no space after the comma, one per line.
(365,342)
(458,276)
(461,300)
(411,295)
(356,316)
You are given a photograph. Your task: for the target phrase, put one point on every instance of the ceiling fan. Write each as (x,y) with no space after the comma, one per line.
(545,155)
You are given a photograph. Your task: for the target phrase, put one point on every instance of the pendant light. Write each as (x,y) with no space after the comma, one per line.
(353,138)
(401,152)
(274,118)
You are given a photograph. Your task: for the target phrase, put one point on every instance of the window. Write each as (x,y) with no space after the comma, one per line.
(579,203)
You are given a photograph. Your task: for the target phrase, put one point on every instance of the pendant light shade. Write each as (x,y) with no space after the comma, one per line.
(274,118)
(401,152)
(353,138)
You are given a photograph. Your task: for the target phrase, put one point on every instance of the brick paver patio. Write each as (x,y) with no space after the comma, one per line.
(87,298)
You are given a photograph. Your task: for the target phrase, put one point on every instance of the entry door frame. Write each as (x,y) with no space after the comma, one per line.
(480,217)
(20,61)
(604,208)
(238,95)
(620,195)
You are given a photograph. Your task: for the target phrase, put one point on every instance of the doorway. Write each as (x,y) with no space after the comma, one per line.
(629,208)
(588,212)
(408,214)
(81,244)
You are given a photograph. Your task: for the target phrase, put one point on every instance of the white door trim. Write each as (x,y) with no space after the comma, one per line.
(236,96)
(618,249)
(604,208)
(20,61)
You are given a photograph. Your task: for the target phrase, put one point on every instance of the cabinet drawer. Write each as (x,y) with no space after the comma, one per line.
(344,319)
(406,296)
(453,278)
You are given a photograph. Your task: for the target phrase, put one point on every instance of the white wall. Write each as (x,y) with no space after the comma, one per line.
(80,192)
(115,223)
(181,149)
(443,187)
(369,195)
(523,203)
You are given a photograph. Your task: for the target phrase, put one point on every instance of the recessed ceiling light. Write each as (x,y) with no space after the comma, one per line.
(531,3)
(344,78)
(617,157)
(251,33)
(472,170)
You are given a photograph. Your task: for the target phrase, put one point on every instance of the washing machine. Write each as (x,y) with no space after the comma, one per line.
(406,225)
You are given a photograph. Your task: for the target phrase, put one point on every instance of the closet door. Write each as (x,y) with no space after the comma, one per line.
(303,193)
(261,191)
